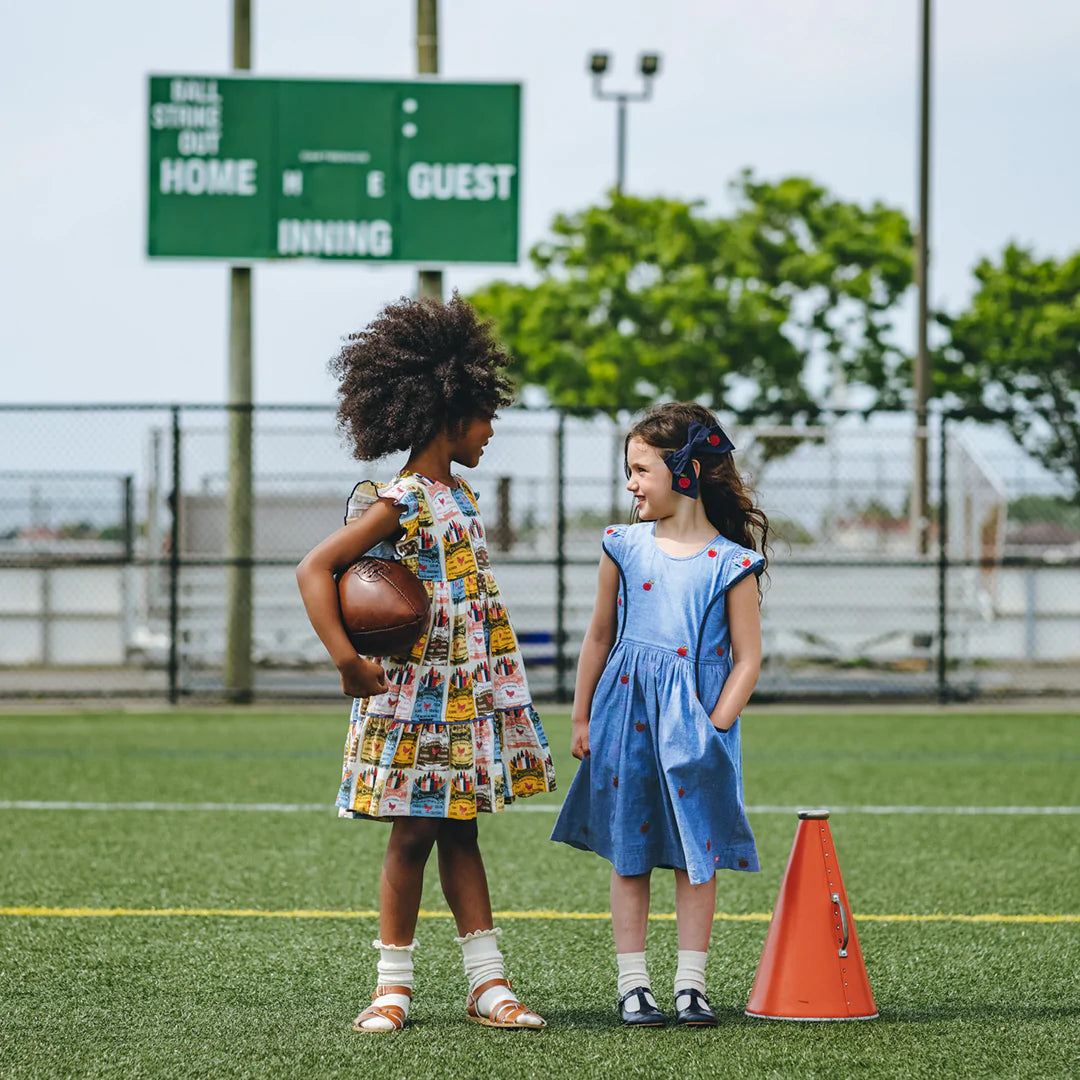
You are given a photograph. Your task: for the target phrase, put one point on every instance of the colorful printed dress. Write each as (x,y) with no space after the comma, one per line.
(661,786)
(456,733)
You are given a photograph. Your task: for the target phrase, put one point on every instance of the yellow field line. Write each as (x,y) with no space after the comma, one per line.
(258,913)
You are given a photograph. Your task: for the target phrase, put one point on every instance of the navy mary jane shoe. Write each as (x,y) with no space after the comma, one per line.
(698,1013)
(646,1014)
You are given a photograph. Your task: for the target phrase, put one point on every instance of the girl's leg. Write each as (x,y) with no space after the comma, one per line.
(400,888)
(402,883)
(629,911)
(629,921)
(695,906)
(694,909)
(463,878)
(464,883)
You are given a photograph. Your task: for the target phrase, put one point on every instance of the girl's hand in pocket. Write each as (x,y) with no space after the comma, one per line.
(721,723)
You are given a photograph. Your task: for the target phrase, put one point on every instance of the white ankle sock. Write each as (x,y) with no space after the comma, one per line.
(632,972)
(483,961)
(690,974)
(395,968)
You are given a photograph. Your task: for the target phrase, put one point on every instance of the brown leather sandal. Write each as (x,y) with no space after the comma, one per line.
(394,1013)
(506,1014)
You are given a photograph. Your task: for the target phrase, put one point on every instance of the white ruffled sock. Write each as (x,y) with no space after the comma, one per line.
(395,968)
(483,961)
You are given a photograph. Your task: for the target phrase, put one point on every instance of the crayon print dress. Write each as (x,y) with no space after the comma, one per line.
(661,786)
(456,733)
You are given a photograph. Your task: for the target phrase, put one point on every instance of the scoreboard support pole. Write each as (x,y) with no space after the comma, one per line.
(429,282)
(239,517)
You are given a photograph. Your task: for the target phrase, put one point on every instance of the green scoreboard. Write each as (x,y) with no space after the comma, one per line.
(245,168)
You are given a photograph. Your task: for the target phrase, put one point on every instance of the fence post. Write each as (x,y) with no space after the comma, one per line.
(129,518)
(239,546)
(560,558)
(1031,600)
(45,598)
(174,562)
(126,572)
(943,560)
(504,533)
(618,491)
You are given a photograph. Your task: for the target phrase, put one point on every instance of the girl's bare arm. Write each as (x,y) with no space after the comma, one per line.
(744,620)
(599,639)
(318,587)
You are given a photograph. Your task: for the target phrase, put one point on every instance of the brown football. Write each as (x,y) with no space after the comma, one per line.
(384,607)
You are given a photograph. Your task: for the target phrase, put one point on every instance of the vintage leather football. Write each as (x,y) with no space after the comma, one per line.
(384,607)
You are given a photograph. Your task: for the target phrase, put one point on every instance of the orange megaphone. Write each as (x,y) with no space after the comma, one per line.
(811,966)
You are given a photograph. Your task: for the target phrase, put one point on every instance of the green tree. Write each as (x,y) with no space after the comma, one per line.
(1045,508)
(644,299)
(1015,353)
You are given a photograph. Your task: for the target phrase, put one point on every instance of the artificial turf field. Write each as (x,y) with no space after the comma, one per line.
(225,943)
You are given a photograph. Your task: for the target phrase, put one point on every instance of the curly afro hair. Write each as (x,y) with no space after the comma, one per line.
(421,368)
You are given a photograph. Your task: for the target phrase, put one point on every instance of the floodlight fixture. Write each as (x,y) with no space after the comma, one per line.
(649,66)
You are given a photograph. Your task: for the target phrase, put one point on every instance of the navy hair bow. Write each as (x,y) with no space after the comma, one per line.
(700,440)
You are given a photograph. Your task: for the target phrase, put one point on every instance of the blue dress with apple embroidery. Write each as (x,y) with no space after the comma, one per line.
(662,787)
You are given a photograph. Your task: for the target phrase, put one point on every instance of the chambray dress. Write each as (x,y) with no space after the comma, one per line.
(662,787)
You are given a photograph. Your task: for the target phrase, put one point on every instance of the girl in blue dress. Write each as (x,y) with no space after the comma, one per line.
(670,658)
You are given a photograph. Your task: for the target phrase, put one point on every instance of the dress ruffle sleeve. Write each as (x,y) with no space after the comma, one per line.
(740,563)
(614,540)
(402,492)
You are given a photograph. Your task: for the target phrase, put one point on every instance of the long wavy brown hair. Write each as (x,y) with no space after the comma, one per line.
(727,500)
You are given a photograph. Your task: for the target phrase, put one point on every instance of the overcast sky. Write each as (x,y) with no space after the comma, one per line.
(825,88)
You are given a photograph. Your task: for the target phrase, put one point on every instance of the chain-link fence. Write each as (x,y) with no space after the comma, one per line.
(120,563)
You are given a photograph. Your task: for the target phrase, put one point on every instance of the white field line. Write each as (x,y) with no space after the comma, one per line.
(542,808)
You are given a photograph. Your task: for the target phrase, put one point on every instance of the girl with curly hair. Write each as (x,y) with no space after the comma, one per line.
(670,658)
(449,731)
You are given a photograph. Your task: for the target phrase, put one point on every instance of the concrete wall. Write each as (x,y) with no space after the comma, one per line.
(100,615)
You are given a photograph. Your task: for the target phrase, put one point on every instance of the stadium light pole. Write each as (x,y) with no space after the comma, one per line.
(649,66)
(919,506)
